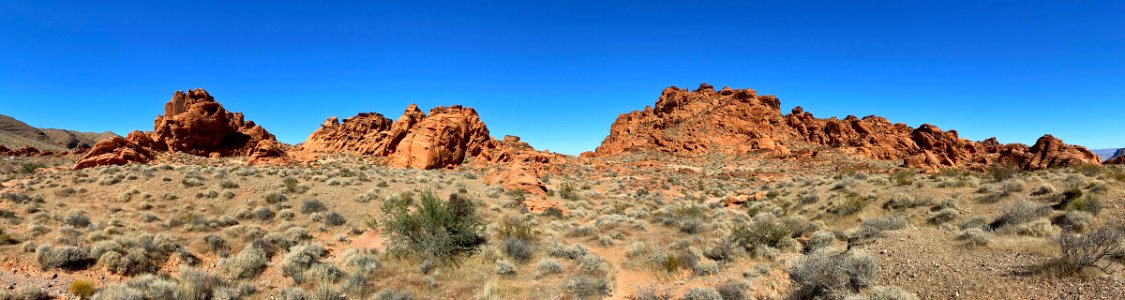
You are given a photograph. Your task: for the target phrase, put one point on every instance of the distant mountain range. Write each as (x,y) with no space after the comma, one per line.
(16,134)
(1109,153)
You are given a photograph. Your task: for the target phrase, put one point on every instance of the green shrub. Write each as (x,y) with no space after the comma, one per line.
(1089,204)
(568,192)
(432,228)
(299,259)
(766,230)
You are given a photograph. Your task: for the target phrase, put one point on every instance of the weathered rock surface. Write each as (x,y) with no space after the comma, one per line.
(192,123)
(740,121)
(268,152)
(447,137)
(444,138)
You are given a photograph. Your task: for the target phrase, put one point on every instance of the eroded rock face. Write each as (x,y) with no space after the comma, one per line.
(192,123)
(136,148)
(731,121)
(268,152)
(447,137)
(442,139)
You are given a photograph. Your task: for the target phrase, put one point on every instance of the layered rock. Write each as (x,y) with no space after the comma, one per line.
(732,122)
(192,123)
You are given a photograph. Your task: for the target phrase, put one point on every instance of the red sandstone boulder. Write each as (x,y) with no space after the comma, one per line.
(117,151)
(268,152)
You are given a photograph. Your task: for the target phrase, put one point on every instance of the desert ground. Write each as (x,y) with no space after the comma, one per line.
(202,228)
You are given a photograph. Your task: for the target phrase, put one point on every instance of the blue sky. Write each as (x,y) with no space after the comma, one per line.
(559,74)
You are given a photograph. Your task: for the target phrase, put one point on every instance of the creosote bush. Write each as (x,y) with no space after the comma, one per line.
(1085,251)
(431,227)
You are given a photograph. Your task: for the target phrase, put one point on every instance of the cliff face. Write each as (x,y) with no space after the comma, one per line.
(738,121)
(192,123)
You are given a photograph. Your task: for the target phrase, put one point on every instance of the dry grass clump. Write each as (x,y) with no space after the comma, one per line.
(69,257)
(832,275)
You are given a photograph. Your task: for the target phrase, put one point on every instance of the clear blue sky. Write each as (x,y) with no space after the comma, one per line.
(558,75)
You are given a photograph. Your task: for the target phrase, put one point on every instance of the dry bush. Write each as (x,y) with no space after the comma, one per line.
(829,273)
(1085,251)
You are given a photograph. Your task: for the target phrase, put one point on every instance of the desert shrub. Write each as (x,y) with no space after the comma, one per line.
(568,191)
(82,289)
(250,262)
(650,293)
(733,291)
(700,293)
(60,257)
(901,201)
(974,237)
(196,284)
(1084,251)
(872,228)
(517,248)
(584,286)
(323,273)
(29,293)
(943,216)
(263,213)
(828,273)
(1045,189)
(820,240)
(216,244)
(431,227)
(548,266)
(191,182)
(1089,204)
(1076,220)
(334,219)
(275,198)
(980,222)
(1001,172)
(299,259)
(504,267)
(394,295)
(765,231)
(853,203)
(227,184)
(292,293)
(903,178)
(883,292)
(705,267)
(311,206)
(1019,213)
(77,219)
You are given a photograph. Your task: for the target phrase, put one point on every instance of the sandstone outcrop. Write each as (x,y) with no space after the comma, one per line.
(447,137)
(739,121)
(444,138)
(192,123)
(268,152)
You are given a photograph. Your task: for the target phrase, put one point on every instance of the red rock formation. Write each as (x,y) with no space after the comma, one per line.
(192,123)
(442,139)
(4,150)
(118,151)
(1117,160)
(740,121)
(268,152)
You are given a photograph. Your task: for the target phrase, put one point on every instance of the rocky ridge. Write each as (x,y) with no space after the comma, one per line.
(192,123)
(739,121)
